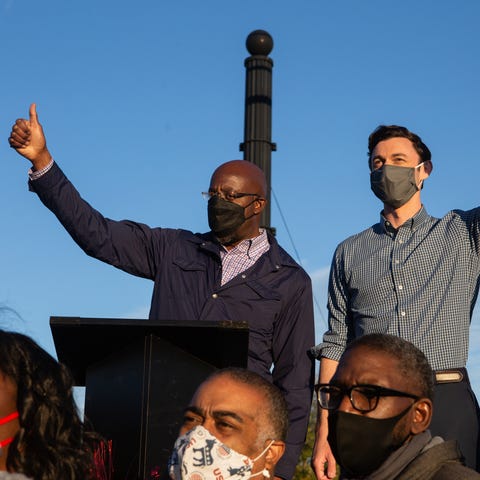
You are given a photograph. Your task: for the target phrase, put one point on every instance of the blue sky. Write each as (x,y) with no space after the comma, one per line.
(140,101)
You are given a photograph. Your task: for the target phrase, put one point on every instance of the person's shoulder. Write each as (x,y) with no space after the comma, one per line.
(462,214)
(183,234)
(284,256)
(360,238)
(278,253)
(443,462)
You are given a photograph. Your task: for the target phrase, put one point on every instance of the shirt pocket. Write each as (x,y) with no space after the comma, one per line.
(187,277)
(263,291)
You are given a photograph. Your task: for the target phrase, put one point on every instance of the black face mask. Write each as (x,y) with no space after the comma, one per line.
(361,444)
(225,217)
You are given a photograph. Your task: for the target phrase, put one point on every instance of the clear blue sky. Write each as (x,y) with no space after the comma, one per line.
(140,101)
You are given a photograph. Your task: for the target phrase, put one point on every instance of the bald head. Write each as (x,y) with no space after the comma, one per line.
(251,174)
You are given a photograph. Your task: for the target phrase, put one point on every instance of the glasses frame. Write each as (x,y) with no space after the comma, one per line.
(230,197)
(379,392)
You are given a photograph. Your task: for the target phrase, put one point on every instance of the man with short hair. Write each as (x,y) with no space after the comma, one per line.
(237,271)
(234,427)
(410,275)
(380,403)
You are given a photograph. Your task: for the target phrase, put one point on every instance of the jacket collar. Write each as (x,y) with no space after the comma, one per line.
(277,256)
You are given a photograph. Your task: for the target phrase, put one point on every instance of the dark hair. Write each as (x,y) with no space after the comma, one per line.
(52,442)
(411,361)
(276,410)
(384,132)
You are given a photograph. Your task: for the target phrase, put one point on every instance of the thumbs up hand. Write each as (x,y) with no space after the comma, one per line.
(28,140)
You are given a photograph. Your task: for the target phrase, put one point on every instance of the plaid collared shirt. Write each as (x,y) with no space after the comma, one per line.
(419,282)
(242,256)
(34,174)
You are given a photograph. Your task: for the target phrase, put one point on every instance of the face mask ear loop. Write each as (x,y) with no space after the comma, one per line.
(263,451)
(420,185)
(264,472)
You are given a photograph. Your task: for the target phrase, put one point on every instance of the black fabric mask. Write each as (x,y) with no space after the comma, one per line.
(361,444)
(394,185)
(224,217)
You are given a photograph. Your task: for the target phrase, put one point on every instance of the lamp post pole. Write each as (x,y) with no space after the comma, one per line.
(257,145)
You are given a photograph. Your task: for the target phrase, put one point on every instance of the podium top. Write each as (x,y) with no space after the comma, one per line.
(81,342)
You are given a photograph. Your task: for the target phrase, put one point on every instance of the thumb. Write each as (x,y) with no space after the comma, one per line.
(33,114)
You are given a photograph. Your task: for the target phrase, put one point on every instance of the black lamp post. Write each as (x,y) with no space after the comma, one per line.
(257,145)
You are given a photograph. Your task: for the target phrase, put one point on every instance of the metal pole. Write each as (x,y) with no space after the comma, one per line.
(257,145)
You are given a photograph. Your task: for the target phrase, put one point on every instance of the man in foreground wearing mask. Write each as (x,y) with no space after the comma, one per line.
(235,272)
(380,406)
(410,275)
(234,428)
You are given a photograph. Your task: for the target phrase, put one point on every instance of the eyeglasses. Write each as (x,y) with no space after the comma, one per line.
(230,196)
(363,398)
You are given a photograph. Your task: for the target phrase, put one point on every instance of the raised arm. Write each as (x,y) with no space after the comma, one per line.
(28,139)
(130,246)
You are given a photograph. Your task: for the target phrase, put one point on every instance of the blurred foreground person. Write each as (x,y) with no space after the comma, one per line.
(41,433)
(234,428)
(380,403)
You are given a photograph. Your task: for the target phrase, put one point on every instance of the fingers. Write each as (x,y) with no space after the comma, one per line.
(33,114)
(331,467)
(323,462)
(326,471)
(20,135)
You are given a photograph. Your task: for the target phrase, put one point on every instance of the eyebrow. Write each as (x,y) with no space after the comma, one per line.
(395,155)
(216,414)
(223,414)
(195,410)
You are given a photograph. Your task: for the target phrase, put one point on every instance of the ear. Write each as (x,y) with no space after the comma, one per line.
(422,415)
(273,455)
(259,205)
(427,169)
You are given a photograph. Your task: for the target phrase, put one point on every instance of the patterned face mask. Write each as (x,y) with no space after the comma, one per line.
(198,455)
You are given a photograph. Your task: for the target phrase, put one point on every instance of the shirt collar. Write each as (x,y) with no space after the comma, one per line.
(250,245)
(412,223)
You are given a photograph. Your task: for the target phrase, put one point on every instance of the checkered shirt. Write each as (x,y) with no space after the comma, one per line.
(242,256)
(419,282)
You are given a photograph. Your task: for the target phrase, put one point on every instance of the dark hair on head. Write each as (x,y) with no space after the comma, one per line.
(52,442)
(412,362)
(384,132)
(276,412)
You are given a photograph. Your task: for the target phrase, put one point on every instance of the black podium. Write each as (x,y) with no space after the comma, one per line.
(140,375)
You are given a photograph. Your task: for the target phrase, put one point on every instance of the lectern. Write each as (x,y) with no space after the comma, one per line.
(139,376)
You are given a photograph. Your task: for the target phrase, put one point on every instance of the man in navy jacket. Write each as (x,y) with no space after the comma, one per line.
(237,271)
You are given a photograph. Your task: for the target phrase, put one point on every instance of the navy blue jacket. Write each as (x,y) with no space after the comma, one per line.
(274,296)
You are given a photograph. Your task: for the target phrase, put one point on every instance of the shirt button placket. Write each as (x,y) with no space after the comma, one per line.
(398,254)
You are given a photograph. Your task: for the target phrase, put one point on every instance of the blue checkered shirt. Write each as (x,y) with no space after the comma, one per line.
(419,282)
